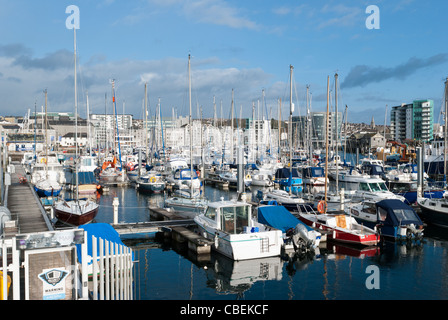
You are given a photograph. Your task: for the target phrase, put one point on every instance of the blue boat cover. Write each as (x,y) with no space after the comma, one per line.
(398,212)
(278,217)
(100,230)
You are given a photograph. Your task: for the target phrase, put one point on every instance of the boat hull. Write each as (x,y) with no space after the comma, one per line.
(75,219)
(341,234)
(151,187)
(245,246)
(433,214)
(43,193)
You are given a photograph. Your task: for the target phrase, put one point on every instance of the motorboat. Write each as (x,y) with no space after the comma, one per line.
(291,201)
(342,228)
(394,219)
(151,182)
(289,179)
(184,178)
(236,232)
(231,177)
(47,188)
(313,179)
(434,211)
(187,207)
(359,187)
(296,234)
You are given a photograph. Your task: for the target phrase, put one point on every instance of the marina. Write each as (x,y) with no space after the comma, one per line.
(214,177)
(161,240)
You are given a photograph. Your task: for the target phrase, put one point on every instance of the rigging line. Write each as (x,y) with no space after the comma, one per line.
(124,207)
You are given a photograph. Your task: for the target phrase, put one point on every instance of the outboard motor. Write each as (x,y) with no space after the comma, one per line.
(302,239)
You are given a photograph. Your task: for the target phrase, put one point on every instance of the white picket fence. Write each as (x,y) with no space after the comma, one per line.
(113,270)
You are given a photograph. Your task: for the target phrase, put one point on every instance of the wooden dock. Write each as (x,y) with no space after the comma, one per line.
(151,226)
(24,205)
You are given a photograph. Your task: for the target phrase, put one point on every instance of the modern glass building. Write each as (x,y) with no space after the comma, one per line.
(413,121)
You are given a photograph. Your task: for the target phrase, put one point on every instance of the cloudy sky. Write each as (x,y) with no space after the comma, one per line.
(246,46)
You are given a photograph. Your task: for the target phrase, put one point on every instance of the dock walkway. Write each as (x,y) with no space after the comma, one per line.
(24,205)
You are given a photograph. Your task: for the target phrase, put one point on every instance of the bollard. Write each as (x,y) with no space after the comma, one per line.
(115,203)
(342,198)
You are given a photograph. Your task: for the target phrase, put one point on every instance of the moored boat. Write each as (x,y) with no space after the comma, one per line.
(342,228)
(236,233)
(394,219)
(434,211)
(75,212)
(296,234)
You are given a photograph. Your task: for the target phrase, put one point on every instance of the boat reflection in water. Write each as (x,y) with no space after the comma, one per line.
(235,277)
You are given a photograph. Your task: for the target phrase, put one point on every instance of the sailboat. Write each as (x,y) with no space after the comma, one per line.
(189,191)
(435,211)
(76,211)
(48,185)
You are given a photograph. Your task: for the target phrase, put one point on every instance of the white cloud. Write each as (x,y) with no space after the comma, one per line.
(216,12)
(21,86)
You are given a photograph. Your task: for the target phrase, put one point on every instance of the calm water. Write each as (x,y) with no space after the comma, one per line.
(168,271)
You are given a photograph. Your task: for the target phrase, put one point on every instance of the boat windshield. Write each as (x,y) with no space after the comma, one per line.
(405,214)
(378,186)
(234,219)
(210,213)
(186,174)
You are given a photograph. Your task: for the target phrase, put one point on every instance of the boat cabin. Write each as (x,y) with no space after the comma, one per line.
(229,217)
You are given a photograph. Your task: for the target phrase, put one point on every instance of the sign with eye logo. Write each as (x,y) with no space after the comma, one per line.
(53,283)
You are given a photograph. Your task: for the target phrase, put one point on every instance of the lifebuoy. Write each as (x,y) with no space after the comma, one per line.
(247,176)
(43,160)
(153,179)
(321,206)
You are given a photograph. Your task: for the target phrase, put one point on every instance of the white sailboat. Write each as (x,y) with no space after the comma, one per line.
(76,211)
(46,185)
(186,181)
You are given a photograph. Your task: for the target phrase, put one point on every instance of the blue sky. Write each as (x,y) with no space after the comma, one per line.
(246,46)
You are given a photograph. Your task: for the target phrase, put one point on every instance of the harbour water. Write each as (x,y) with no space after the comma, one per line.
(169,271)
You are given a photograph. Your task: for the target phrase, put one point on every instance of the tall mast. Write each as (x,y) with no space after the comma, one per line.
(445,152)
(146,122)
(88,123)
(231,132)
(76,118)
(336,115)
(291,109)
(326,144)
(307,127)
(46,137)
(191,127)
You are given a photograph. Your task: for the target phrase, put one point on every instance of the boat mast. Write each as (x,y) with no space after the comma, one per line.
(231,131)
(445,151)
(191,128)
(291,109)
(88,124)
(146,123)
(46,137)
(336,133)
(76,119)
(326,144)
(279,127)
(307,127)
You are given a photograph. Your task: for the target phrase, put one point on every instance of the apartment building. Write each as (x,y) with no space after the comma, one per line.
(412,121)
